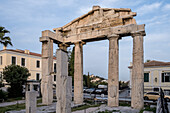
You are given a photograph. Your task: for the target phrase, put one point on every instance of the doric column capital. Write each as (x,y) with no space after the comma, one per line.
(113,36)
(44,39)
(138,33)
(80,42)
(63,46)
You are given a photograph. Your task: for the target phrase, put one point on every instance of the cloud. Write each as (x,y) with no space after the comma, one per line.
(166,7)
(148,8)
(157,20)
(157,38)
(84,10)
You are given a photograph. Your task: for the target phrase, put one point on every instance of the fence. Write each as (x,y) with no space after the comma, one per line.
(162,106)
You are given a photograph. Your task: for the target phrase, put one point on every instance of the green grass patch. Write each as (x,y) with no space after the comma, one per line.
(107,111)
(147,108)
(12,107)
(17,107)
(84,107)
(89,101)
(13,99)
(124,104)
(39,100)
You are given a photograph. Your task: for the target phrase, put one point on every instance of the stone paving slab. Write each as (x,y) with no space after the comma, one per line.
(118,109)
(104,107)
(11,103)
(52,109)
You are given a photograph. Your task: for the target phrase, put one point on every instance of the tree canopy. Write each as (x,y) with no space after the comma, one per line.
(4,40)
(71,64)
(16,76)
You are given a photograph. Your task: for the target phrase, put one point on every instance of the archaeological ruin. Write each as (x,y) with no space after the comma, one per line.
(98,24)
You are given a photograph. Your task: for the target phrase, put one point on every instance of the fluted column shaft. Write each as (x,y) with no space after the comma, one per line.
(137,72)
(78,73)
(113,74)
(47,67)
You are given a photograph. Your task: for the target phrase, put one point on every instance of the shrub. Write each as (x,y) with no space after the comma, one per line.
(3,95)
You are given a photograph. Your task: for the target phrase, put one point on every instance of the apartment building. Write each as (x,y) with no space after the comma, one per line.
(156,75)
(30,60)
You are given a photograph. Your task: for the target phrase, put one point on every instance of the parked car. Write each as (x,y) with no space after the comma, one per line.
(98,91)
(90,90)
(72,88)
(101,91)
(84,89)
(154,96)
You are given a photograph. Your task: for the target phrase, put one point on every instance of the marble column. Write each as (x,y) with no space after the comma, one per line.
(47,68)
(113,74)
(78,73)
(137,72)
(63,83)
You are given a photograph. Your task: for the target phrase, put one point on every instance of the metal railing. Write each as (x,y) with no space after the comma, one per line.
(162,105)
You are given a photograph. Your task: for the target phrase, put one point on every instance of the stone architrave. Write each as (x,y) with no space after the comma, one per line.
(113,74)
(137,72)
(31,101)
(78,73)
(63,84)
(47,67)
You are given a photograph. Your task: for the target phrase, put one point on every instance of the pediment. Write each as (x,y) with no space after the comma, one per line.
(98,18)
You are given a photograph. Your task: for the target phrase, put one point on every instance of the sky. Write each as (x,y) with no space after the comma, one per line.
(25,19)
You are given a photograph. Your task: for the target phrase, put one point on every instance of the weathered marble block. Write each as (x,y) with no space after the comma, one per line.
(31,101)
(63,84)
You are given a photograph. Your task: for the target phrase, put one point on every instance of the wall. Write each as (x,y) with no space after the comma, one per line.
(30,62)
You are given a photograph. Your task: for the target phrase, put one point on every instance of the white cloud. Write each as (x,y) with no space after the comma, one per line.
(64,3)
(166,7)
(157,46)
(84,10)
(157,38)
(109,3)
(157,20)
(149,8)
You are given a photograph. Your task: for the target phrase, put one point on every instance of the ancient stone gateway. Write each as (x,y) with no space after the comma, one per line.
(98,24)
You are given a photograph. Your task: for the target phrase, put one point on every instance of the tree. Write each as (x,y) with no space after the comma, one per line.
(85,80)
(16,76)
(4,40)
(148,60)
(88,80)
(71,64)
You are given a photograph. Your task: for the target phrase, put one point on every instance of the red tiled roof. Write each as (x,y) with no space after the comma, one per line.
(154,63)
(23,52)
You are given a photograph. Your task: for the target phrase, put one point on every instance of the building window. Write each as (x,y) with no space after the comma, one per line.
(37,76)
(55,68)
(167,92)
(54,77)
(35,87)
(0,60)
(38,64)
(166,77)
(1,77)
(156,89)
(22,61)
(13,60)
(146,77)
(28,87)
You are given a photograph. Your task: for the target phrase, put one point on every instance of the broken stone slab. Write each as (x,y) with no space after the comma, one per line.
(63,84)
(31,101)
